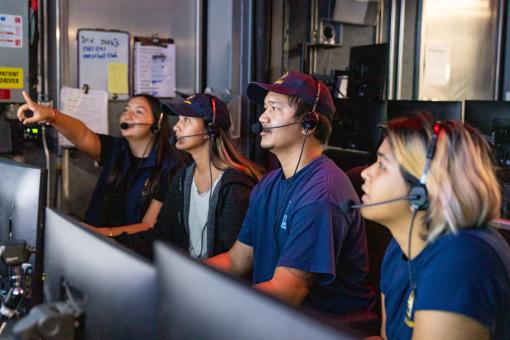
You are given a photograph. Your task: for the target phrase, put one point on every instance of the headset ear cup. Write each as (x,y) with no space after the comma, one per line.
(421,202)
(157,126)
(310,121)
(212,130)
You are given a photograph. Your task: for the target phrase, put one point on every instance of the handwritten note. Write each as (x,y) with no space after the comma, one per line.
(117,78)
(103,61)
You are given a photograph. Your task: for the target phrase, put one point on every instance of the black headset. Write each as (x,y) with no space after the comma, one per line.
(311,119)
(156,126)
(418,186)
(309,122)
(212,129)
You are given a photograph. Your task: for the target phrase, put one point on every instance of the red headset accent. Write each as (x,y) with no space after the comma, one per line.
(213,104)
(212,129)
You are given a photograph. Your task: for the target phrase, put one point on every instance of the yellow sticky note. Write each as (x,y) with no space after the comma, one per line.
(11,78)
(118,78)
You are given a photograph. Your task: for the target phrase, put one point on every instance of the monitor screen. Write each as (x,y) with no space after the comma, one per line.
(356,124)
(199,302)
(114,287)
(22,202)
(481,114)
(368,69)
(440,110)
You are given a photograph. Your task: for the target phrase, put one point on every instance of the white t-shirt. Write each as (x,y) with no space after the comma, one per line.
(197,220)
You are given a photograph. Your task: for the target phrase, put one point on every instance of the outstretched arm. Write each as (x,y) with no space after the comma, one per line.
(147,223)
(73,129)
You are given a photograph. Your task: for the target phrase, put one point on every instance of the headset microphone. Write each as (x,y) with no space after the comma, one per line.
(258,128)
(125,126)
(348,205)
(174,139)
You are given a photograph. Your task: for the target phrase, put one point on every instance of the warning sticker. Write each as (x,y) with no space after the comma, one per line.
(11,78)
(11,31)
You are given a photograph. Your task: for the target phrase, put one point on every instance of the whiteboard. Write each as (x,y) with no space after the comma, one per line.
(103,61)
(154,65)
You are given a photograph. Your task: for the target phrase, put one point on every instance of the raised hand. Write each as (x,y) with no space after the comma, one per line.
(41,113)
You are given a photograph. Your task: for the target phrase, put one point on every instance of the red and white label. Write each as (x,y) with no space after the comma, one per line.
(11,31)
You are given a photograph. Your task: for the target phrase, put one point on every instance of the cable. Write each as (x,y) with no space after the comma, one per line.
(275,228)
(410,300)
(200,256)
(411,279)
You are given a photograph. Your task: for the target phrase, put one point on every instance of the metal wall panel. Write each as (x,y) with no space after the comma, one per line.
(219,46)
(14,57)
(176,19)
(463,36)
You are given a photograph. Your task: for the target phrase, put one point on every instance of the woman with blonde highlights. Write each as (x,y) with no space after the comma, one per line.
(446,273)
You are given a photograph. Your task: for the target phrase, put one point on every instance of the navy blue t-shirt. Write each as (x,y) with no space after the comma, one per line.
(313,235)
(467,273)
(131,196)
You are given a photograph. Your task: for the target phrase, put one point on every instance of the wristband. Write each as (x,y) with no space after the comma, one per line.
(54,116)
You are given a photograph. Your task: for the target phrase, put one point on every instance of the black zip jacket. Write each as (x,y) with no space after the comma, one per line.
(230,200)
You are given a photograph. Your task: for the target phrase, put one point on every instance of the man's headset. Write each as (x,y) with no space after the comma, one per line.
(311,119)
(308,122)
(418,194)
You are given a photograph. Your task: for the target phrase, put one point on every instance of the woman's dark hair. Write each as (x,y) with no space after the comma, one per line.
(161,132)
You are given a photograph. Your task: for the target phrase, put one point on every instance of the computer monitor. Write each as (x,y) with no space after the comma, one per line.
(22,202)
(481,114)
(356,124)
(440,110)
(492,119)
(114,287)
(368,69)
(199,302)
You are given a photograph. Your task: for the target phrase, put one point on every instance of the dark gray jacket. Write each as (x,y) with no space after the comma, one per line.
(230,200)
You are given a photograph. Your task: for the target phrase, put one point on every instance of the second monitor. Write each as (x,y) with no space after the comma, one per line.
(114,287)
(356,124)
(440,110)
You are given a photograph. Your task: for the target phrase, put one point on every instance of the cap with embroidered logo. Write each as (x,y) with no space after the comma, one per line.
(201,106)
(299,85)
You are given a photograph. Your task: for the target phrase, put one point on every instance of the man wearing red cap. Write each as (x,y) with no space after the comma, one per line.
(299,243)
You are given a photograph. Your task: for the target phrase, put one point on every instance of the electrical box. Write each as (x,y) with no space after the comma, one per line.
(14,50)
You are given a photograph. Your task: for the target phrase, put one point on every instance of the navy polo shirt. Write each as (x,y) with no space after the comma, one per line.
(129,199)
(313,235)
(467,273)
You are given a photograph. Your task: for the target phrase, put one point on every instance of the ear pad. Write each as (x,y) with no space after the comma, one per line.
(418,190)
(213,130)
(310,121)
(157,126)
(421,202)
